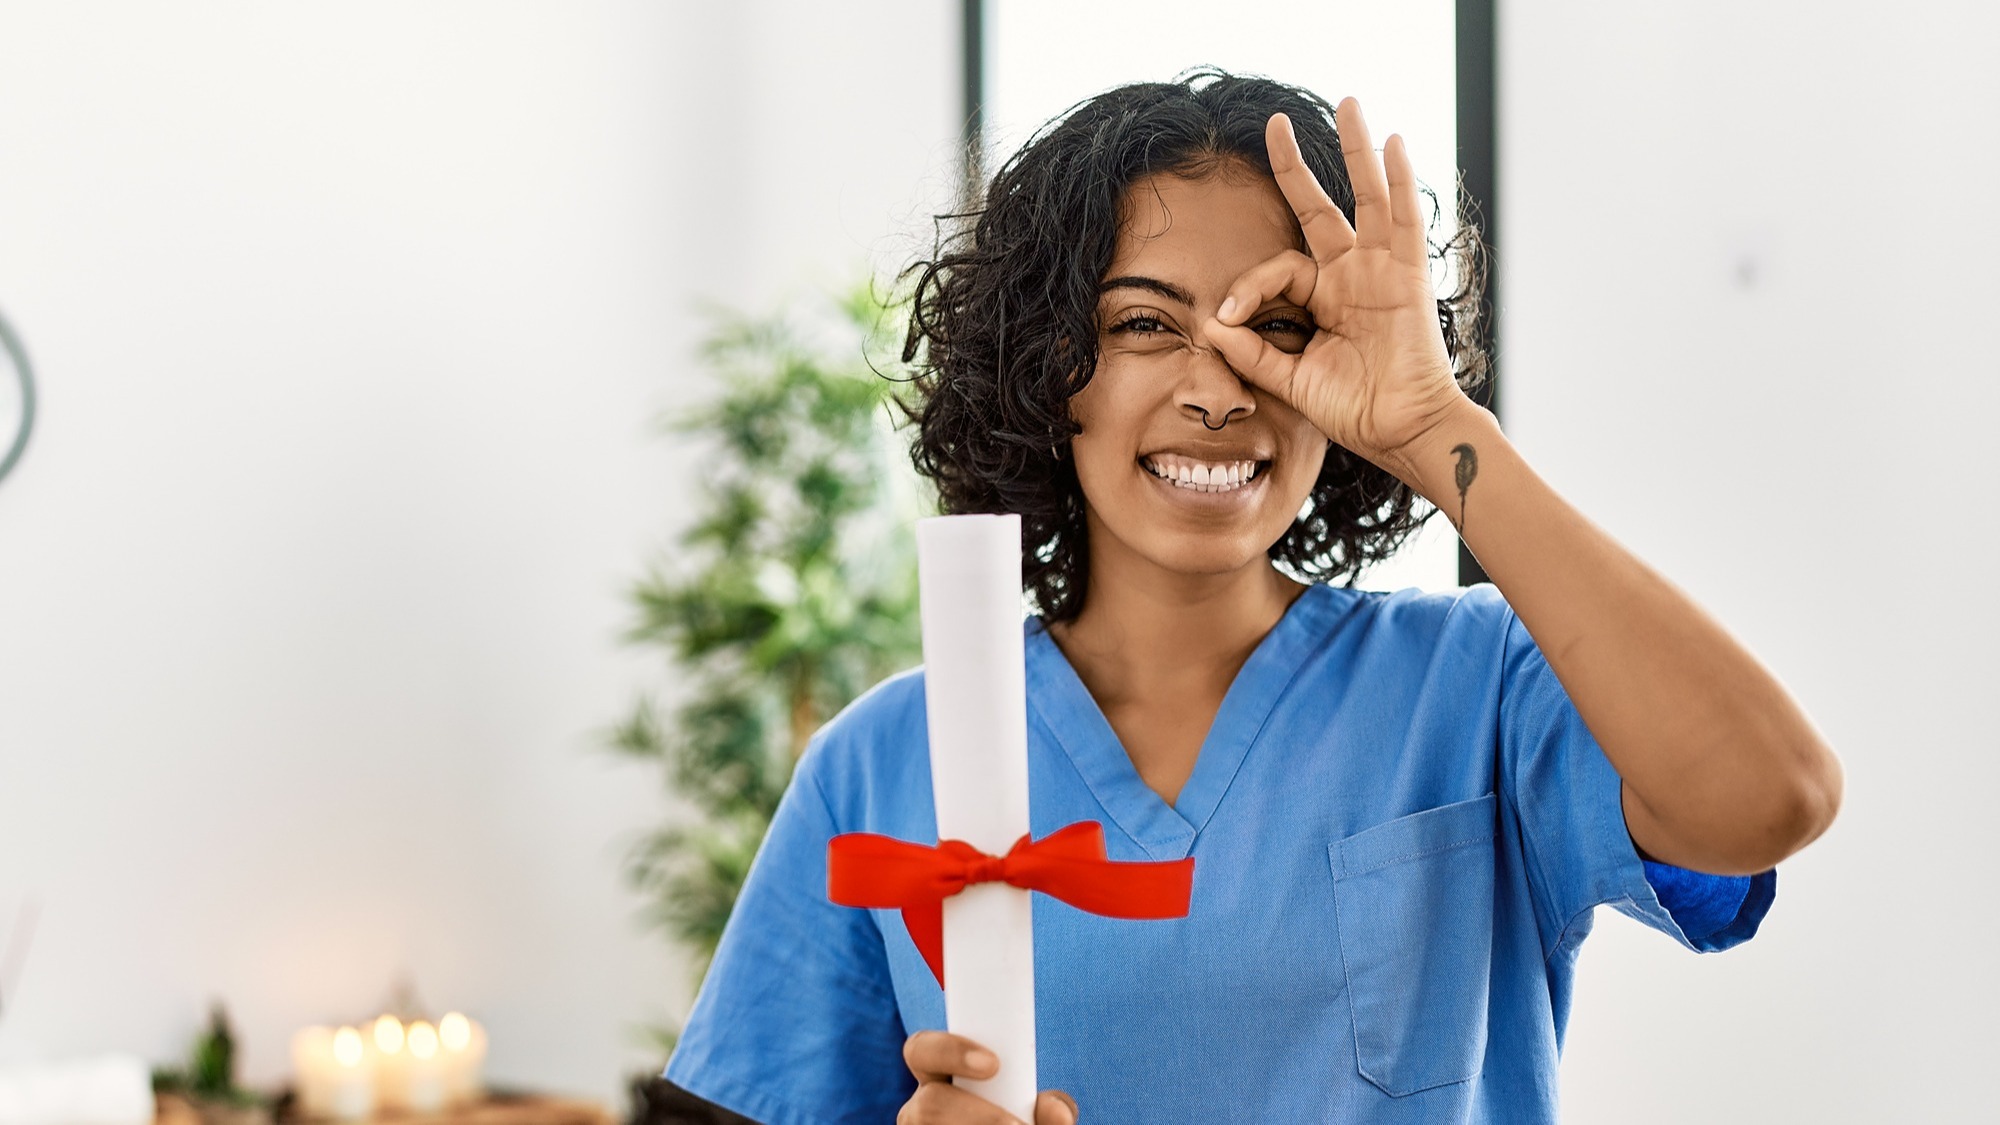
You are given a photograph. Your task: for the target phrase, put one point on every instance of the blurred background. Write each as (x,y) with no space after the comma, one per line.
(359,651)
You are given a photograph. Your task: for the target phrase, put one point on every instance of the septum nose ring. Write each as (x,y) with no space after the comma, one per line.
(1225,417)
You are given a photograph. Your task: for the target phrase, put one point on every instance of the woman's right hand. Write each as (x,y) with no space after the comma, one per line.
(936,1057)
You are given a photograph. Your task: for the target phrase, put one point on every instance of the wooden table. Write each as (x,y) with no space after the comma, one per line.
(501,1109)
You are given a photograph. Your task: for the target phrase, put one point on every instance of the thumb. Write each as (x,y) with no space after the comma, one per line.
(1053,1107)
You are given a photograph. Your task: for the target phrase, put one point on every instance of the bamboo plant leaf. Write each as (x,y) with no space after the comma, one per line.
(791,591)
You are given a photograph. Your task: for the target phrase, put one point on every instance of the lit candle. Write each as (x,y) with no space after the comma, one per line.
(312,1059)
(388,1034)
(969,583)
(464,1049)
(385,1041)
(335,1078)
(351,1096)
(423,1071)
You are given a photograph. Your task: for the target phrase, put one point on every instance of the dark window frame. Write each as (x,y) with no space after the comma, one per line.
(1478,163)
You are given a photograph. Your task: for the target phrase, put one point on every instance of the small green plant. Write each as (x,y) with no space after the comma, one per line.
(794,590)
(210,1076)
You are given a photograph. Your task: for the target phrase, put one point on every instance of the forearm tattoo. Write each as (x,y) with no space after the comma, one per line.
(1468,468)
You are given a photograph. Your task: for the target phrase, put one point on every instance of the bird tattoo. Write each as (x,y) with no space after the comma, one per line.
(1468,468)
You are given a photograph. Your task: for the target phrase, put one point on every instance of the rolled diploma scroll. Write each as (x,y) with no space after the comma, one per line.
(976,696)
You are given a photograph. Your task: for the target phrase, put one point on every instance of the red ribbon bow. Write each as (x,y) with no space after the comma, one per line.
(864,869)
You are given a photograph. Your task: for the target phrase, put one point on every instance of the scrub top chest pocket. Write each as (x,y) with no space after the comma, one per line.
(1413,901)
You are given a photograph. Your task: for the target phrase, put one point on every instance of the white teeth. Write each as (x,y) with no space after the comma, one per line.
(1199,475)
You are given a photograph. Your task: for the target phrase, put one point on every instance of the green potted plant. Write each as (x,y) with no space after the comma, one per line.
(793,591)
(208,1084)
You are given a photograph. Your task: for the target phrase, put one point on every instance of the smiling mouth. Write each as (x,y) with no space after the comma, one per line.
(1205,476)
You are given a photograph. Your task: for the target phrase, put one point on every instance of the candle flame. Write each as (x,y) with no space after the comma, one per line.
(347,1047)
(455,1030)
(388,1034)
(423,1040)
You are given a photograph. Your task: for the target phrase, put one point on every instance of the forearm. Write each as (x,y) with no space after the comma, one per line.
(1729,773)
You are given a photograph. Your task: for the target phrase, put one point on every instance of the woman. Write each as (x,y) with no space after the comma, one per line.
(1404,807)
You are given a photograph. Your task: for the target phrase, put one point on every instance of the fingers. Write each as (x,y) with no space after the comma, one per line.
(936,1103)
(1253,358)
(1373,220)
(936,1057)
(1053,1107)
(1326,229)
(1406,244)
(1288,274)
(940,1056)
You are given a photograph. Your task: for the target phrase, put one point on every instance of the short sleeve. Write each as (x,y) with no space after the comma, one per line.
(796,1022)
(1568,800)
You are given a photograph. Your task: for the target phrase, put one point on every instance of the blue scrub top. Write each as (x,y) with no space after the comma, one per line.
(1400,827)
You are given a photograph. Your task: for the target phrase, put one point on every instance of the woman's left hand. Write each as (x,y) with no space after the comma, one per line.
(1376,375)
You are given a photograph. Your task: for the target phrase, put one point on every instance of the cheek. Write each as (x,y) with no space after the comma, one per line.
(1302,449)
(1109,407)
(1306,465)
(1082,408)
(1110,421)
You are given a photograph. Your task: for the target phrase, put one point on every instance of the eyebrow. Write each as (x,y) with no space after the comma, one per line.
(1165,289)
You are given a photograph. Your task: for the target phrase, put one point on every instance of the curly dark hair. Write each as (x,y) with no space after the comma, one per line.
(1009,284)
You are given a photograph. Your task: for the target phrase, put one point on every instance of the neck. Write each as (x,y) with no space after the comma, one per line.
(1148,634)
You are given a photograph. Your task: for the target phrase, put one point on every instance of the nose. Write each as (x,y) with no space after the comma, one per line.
(1209,385)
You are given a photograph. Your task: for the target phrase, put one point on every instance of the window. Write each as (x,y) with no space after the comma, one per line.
(1039,57)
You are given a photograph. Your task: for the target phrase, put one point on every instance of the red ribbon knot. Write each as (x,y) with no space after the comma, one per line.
(985,869)
(869,870)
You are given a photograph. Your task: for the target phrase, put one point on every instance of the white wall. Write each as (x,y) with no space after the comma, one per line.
(1748,285)
(351,321)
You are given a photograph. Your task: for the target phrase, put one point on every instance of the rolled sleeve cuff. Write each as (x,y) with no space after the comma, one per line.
(1706,913)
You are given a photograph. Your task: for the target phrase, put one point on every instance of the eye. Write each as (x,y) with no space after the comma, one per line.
(1288,324)
(1288,334)
(1145,324)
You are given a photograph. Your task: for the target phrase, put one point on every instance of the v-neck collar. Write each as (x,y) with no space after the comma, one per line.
(1058,698)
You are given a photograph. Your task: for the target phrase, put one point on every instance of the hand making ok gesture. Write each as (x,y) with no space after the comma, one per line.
(1376,374)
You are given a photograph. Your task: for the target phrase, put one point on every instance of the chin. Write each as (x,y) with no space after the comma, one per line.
(1199,553)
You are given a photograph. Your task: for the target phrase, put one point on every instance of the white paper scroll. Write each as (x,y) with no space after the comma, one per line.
(975,690)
